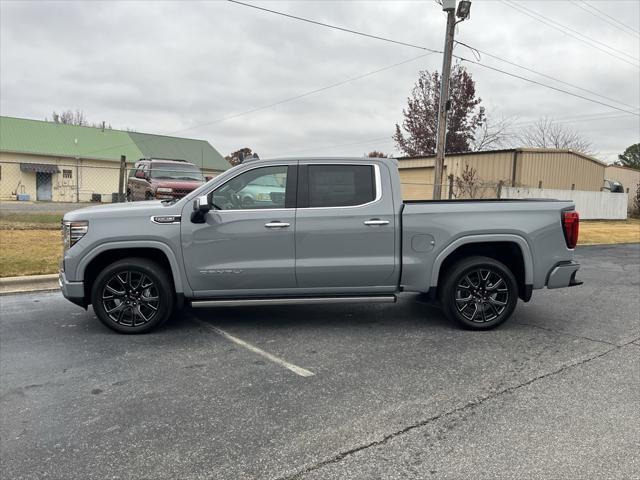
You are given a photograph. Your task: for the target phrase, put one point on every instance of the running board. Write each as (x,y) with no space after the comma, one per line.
(292,301)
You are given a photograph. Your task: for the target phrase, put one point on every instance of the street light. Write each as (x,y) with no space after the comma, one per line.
(464,9)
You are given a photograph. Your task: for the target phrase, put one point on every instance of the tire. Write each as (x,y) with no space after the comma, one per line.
(492,293)
(133,295)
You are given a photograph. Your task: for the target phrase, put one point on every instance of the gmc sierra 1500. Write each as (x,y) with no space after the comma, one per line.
(330,230)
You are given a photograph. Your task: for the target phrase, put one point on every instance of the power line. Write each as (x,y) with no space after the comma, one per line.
(543,74)
(612,18)
(567,31)
(547,86)
(335,27)
(329,147)
(431,50)
(279,102)
(587,8)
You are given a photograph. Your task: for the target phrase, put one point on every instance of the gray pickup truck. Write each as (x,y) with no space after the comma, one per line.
(332,230)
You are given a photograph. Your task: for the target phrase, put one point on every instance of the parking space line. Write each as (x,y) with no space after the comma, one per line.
(252,348)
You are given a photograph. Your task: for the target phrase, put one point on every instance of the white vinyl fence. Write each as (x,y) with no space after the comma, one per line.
(590,205)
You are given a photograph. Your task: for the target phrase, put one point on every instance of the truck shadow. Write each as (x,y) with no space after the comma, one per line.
(409,311)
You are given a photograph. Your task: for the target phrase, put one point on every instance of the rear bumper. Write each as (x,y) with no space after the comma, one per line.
(72,291)
(563,275)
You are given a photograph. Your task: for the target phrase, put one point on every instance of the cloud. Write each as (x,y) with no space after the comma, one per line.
(165,67)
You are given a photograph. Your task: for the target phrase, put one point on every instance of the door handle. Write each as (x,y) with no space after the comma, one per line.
(276,225)
(375,221)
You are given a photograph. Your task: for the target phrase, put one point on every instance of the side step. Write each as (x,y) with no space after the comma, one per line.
(243,302)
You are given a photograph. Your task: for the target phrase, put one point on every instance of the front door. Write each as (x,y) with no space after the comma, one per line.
(345,228)
(246,244)
(43,187)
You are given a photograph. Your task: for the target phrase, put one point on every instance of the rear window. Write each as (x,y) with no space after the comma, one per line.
(176,171)
(340,185)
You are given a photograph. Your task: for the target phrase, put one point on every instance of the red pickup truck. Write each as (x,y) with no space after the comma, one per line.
(160,179)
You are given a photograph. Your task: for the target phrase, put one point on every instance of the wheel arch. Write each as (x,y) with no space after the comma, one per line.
(512,250)
(106,254)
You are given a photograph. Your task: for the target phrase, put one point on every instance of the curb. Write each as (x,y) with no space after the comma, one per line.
(30,283)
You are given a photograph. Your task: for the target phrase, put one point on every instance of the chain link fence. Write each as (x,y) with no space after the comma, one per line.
(61,182)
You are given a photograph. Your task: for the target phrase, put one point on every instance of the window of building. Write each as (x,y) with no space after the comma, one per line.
(341,185)
(67,174)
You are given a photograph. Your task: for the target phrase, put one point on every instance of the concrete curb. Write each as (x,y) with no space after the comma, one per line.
(30,283)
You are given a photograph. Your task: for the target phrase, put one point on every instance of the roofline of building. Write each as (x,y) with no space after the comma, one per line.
(104,129)
(75,157)
(625,167)
(513,150)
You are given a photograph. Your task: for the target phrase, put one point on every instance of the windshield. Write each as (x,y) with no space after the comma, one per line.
(176,172)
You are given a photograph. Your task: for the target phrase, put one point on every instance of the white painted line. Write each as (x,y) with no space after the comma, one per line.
(283,363)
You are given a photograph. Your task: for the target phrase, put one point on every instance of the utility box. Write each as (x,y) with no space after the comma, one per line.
(448,5)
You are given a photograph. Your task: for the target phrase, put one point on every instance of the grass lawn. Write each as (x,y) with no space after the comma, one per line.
(31,244)
(29,252)
(594,232)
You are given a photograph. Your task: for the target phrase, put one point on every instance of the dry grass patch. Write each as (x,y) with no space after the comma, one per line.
(29,252)
(609,231)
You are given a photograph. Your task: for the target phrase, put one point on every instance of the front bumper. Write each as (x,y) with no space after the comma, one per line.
(563,275)
(72,291)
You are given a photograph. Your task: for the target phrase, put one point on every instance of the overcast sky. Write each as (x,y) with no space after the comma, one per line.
(183,67)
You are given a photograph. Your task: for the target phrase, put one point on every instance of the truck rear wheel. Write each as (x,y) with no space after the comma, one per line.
(132,295)
(479,293)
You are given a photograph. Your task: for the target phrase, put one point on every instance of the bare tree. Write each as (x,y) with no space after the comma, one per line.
(546,133)
(492,134)
(377,154)
(468,184)
(78,117)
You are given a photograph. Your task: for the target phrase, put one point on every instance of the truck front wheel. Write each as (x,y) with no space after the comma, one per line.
(479,293)
(132,295)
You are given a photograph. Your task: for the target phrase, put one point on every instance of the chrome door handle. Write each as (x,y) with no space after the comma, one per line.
(276,225)
(376,222)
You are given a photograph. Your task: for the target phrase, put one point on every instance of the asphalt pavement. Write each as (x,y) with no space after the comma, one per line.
(390,391)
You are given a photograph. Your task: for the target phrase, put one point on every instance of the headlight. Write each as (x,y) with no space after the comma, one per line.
(72,232)
(164,190)
(263,197)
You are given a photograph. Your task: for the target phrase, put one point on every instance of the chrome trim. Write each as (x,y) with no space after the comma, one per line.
(292,301)
(376,172)
(176,219)
(376,222)
(277,225)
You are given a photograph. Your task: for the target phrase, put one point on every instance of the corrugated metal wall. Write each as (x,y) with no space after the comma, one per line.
(417,183)
(559,170)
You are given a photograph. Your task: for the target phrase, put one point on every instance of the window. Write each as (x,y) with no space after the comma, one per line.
(67,174)
(258,188)
(341,185)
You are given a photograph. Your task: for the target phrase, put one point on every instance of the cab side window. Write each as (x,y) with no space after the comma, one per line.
(263,188)
(341,185)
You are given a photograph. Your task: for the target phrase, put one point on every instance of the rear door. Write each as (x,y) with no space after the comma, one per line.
(345,227)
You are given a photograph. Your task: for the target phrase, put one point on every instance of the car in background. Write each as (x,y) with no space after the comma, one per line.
(161,179)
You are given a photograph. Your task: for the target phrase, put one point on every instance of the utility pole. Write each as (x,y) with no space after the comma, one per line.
(464,8)
(123,172)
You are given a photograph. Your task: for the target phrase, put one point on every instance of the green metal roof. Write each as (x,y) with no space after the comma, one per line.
(22,135)
(199,152)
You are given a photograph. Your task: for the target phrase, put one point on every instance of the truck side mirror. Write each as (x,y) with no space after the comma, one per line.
(201,207)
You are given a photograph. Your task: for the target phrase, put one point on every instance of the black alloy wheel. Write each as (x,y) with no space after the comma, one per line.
(133,295)
(479,293)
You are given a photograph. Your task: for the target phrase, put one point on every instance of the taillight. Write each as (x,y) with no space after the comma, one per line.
(570,226)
